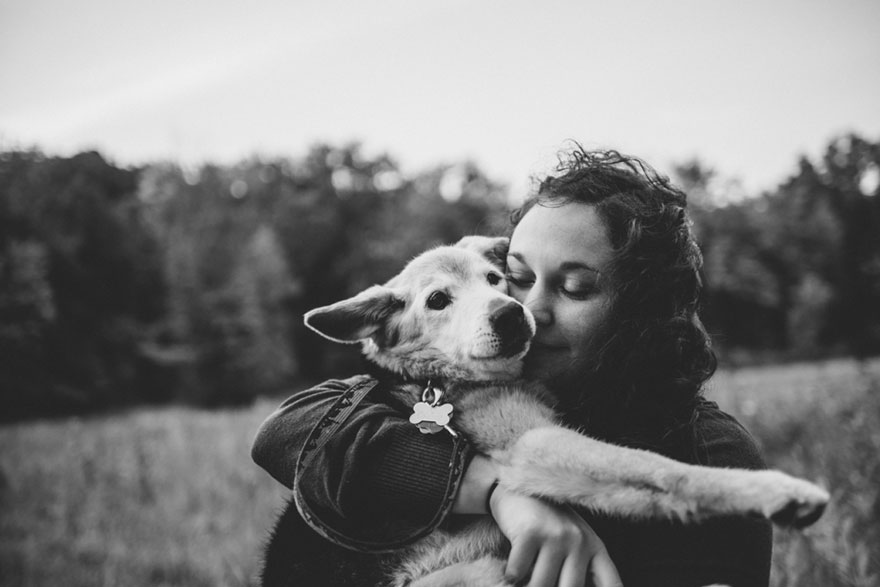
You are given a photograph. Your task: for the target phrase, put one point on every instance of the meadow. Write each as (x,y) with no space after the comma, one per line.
(170,496)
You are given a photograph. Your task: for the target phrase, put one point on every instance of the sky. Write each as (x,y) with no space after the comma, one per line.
(745,86)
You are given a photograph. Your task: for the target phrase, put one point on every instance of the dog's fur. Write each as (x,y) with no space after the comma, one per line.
(473,347)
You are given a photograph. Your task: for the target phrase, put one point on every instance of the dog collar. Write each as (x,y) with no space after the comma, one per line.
(429,415)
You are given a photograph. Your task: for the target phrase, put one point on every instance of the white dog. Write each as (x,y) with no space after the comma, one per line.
(446,320)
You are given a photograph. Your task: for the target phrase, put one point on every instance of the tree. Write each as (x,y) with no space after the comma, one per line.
(76,237)
(838,180)
(796,269)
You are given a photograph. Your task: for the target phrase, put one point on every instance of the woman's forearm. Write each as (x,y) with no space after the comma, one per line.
(374,477)
(282,435)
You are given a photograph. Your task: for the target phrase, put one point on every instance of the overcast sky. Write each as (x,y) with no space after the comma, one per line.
(745,85)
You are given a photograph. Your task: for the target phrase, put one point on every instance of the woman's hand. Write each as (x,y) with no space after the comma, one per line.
(552,543)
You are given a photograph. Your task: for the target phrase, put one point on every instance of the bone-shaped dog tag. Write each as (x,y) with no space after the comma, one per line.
(431,419)
(429,415)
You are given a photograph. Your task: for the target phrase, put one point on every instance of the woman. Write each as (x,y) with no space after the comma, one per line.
(604,257)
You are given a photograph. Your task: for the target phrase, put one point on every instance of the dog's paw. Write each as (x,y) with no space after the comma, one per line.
(794,503)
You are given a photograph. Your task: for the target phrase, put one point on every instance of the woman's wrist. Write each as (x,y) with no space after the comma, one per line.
(477,486)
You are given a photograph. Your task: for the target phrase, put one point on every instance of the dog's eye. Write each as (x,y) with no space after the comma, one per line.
(493,278)
(438,300)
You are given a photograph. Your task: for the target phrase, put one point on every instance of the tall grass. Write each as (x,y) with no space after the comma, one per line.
(821,422)
(171,497)
(155,497)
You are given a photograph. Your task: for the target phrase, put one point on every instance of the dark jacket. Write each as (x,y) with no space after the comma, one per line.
(371,482)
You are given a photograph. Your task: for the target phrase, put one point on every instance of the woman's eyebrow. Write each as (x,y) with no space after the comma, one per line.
(575,265)
(565,266)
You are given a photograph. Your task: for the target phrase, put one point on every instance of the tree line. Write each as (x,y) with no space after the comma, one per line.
(123,285)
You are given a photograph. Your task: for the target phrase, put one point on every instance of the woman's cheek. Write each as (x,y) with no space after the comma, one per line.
(584,322)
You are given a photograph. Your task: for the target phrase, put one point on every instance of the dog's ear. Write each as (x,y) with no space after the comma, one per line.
(356,318)
(492,248)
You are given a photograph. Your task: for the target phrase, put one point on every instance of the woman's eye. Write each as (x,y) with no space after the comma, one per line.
(438,300)
(493,278)
(519,280)
(578,291)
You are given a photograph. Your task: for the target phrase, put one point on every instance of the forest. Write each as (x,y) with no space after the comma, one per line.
(162,283)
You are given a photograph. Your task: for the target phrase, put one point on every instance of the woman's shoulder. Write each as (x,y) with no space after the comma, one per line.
(720,440)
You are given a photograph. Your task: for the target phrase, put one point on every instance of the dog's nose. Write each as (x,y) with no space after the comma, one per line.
(509,320)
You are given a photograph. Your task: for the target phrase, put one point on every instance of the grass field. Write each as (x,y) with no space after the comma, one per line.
(171,497)
(822,422)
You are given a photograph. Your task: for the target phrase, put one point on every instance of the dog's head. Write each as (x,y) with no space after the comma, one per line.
(446,315)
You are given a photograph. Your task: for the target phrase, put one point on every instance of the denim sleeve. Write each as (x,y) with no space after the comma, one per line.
(370,480)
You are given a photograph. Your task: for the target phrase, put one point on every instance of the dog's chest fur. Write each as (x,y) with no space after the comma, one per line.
(492,415)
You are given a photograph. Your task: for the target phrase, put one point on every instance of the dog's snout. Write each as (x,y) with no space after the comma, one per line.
(509,320)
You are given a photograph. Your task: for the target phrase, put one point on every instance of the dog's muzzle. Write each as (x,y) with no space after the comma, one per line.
(511,326)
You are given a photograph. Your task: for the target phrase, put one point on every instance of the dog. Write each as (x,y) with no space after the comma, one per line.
(447,324)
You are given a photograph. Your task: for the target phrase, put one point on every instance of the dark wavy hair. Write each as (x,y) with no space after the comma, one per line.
(654,354)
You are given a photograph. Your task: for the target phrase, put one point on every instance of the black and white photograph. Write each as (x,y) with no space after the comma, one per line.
(440,294)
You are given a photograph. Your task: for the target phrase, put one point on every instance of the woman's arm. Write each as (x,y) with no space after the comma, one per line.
(376,481)
(379,480)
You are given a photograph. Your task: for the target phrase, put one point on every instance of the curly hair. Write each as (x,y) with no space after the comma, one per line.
(654,354)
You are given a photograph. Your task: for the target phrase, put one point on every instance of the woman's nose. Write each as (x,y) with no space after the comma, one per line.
(539,305)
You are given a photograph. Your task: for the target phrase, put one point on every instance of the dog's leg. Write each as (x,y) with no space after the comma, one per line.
(541,458)
(471,556)
(483,572)
(568,467)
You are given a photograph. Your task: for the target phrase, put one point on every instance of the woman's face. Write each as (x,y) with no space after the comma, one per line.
(554,264)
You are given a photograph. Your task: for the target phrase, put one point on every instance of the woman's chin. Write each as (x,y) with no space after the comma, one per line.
(544,365)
